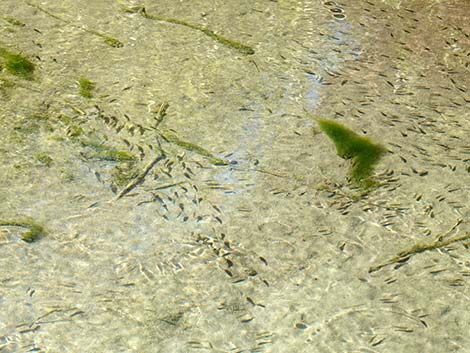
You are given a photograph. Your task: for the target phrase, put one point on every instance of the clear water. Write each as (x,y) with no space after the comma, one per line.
(272,252)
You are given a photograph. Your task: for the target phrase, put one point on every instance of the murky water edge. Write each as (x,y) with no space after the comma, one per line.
(192,204)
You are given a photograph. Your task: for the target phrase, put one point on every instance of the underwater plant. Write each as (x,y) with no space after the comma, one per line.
(172,138)
(230,43)
(86,87)
(111,41)
(17,64)
(44,159)
(349,145)
(34,230)
(101,151)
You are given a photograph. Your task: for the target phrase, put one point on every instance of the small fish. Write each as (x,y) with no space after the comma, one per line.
(247,320)
(375,344)
(239,280)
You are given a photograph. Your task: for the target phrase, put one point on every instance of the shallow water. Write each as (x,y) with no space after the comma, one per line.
(271,252)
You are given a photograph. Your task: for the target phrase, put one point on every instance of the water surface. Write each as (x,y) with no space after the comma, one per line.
(270,252)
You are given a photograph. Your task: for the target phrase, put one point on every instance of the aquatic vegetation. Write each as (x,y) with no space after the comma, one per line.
(13,21)
(86,87)
(66,174)
(124,173)
(194,148)
(230,43)
(104,152)
(44,159)
(33,124)
(75,130)
(113,42)
(127,172)
(140,178)
(17,64)
(5,85)
(364,153)
(417,248)
(111,154)
(34,230)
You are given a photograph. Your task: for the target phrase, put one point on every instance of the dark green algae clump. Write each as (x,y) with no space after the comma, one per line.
(17,64)
(349,145)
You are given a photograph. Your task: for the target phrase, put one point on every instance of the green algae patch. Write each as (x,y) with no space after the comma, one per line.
(17,64)
(349,145)
(86,87)
(33,232)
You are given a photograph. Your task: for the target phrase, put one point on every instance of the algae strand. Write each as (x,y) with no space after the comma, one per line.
(113,42)
(193,148)
(417,248)
(34,230)
(230,43)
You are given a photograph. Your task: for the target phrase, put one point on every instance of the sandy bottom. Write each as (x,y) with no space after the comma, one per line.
(245,236)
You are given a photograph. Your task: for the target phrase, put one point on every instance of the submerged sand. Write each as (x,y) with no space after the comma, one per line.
(247,235)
